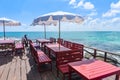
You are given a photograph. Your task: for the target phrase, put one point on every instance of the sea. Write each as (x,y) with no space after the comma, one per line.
(103,40)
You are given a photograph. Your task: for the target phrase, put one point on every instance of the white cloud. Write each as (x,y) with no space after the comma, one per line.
(101,24)
(94,21)
(115,6)
(93,14)
(88,5)
(114,20)
(114,10)
(72,2)
(81,4)
(111,13)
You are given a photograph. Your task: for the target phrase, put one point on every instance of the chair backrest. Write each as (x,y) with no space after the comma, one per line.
(23,41)
(60,41)
(30,41)
(69,56)
(67,44)
(77,46)
(53,40)
(32,49)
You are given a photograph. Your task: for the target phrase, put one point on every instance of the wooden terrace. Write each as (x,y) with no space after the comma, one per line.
(17,68)
(23,67)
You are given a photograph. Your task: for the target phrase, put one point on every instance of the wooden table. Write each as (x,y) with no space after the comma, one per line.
(7,44)
(42,42)
(94,69)
(56,48)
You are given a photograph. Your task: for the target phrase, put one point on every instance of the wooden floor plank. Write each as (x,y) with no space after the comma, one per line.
(11,74)
(17,69)
(23,70)
(3,66)
(34,70)
(5,73)
(28,70)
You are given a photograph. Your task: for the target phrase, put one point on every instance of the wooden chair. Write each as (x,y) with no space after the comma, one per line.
(52,40)
(77,46)
(7,49)
(65,57)
(19,47)
(60,41)
(32,51)
(37,46)
(40,57)
(67,44)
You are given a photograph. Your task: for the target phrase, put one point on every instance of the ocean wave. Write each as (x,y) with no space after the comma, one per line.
(9,38)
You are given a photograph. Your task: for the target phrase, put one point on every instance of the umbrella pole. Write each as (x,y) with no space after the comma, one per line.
(59,33)
(4,28)
(59,29)
(45,31)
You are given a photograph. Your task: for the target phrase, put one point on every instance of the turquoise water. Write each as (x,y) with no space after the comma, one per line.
(105,40)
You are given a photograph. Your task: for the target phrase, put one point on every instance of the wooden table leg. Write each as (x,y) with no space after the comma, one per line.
(69,73)
(117,77)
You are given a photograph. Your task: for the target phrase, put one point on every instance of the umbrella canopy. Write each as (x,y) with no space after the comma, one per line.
(8,22)
(57,17)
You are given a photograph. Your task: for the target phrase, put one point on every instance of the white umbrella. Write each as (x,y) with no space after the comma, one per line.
(54,17)
(8,22)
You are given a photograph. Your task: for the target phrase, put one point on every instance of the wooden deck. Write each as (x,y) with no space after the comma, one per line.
(17,68)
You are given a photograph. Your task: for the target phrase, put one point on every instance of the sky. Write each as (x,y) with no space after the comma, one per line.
(99,15)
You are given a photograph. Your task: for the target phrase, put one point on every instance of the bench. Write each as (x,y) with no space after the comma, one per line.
(40,57)
(65,57)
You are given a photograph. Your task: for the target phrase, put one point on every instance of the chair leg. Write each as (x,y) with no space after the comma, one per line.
(51,66)
(57,73)
(63,77)
(39,67)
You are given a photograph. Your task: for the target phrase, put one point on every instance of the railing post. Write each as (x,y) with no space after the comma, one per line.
(105,56)
(95,52)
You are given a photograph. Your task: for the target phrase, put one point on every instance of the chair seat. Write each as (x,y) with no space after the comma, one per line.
(19,46)
(42,57)
(64,68)
(36,45)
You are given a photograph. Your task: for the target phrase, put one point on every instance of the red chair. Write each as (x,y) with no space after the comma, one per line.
(37,46)
(40,57)
(65,43)
(53,40)
(19,47)
(32,51)
(77,46)
(68,44)
(60,41)
(65,57)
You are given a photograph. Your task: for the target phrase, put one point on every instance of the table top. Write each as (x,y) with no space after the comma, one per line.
(7,41)
(94,69)
(57,47)
(43,40)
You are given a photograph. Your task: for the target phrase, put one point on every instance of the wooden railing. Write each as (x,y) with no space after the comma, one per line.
(101,54)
